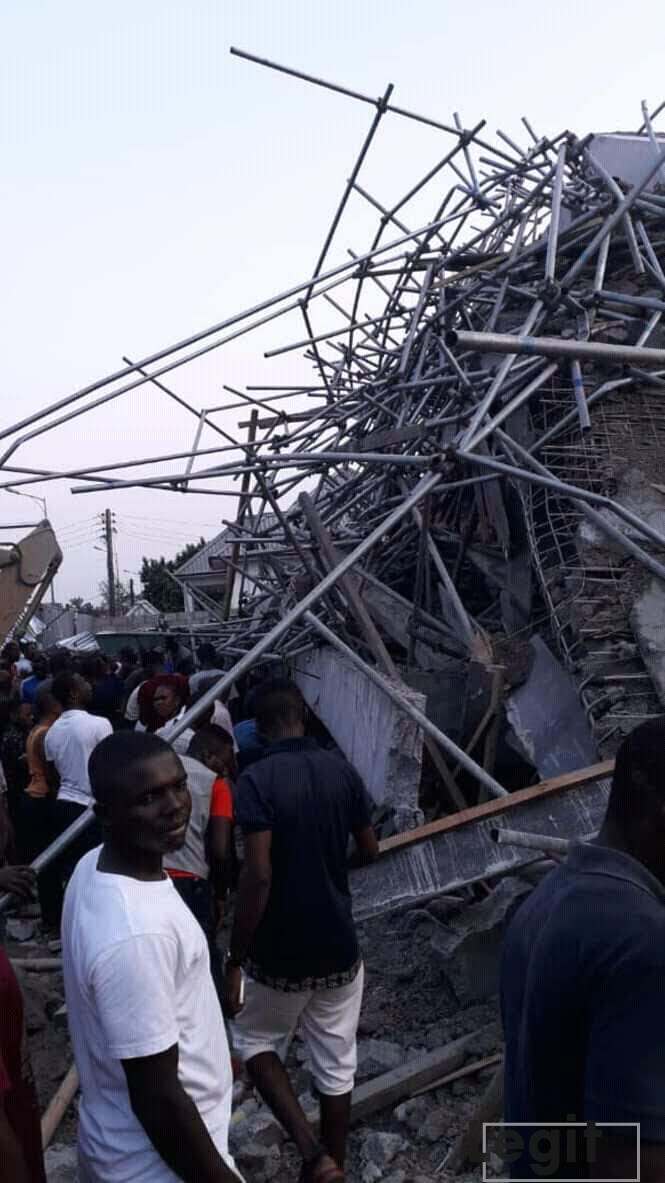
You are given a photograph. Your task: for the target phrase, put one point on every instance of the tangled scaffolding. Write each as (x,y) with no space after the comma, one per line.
(485,389)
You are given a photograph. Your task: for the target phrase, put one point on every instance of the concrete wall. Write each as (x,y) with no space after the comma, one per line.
(627,156)
(380,740)
(61,623)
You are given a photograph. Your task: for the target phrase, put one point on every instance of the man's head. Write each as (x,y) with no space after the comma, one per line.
(207,656)
(17,713)
(166,701)
(140,791)
(71,691)
(635,817)
(280,710)
(213,746)
(11,652)
(153,662)
(46,706)
(60,662)
(40,667)
(24,716)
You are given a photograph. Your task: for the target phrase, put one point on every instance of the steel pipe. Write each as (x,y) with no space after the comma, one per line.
(425,486)
(546,842)
(599,351)
(53,851)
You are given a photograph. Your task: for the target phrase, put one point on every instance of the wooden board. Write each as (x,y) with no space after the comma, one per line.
(388,1089)
(499,805)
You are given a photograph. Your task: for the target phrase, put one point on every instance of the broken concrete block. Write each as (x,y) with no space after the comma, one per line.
(435,1127)
(381,1148)
(257,1129)
(413,1113)
(647,621)
(383,743)
(379,1055)
(259,1163)
(469,949)
(19,929)
(547,717)
(61,1163)
(371,1173)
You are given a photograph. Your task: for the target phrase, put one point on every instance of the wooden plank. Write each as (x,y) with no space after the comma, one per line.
(37,964)
(444,862)
(59,1104)
(546,788)
(388,1089)
(467,1070)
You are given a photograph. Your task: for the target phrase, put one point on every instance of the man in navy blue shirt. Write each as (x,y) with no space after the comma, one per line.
(583,992)
(293,932)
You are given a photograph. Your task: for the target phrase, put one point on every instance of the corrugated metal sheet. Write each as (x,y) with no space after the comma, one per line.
(220,547)
(80,643)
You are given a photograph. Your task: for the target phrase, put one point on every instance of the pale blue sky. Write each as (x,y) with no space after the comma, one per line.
(153,185)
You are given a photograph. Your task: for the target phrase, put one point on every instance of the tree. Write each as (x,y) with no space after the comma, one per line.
(81,605)
(123,599)
(162,592)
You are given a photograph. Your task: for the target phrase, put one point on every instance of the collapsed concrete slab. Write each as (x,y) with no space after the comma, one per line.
(547,717)
(469,947)
(381,741)
(462,851)
(648,623)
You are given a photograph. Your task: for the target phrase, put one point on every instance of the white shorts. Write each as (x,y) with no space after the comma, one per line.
(328,1019)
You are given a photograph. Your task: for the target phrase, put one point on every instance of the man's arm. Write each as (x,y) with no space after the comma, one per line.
(219,846)
(253,892)
(52,776)
(172,1121)
(367,847)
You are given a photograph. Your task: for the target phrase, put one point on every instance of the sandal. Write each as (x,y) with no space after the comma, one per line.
(321,1169)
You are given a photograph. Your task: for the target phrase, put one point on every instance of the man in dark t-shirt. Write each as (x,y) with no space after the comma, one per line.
(582,992)
(293,931)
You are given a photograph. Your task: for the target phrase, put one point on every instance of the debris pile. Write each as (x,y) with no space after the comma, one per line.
(484,407)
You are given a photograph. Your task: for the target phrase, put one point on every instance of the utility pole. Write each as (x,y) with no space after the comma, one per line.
(242,508)
(107,525)
(132,597)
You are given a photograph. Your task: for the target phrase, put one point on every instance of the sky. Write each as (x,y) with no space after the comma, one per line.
(154,185)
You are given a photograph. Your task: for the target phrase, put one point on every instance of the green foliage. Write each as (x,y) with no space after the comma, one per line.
(156,585)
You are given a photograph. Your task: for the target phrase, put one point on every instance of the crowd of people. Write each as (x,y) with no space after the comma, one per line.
(159,1020)
(153,1003)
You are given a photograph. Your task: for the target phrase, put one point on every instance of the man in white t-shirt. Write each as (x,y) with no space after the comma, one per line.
(67,746)
(145,1023)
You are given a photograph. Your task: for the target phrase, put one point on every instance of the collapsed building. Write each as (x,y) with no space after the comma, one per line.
(453,536)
